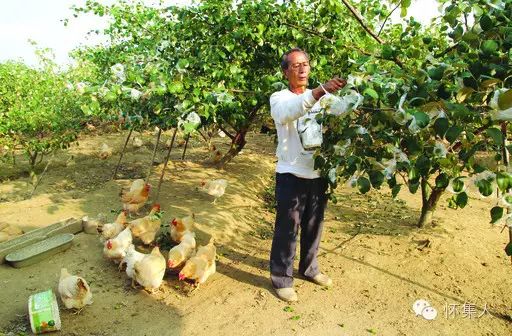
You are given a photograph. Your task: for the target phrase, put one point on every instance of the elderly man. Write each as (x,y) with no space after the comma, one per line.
(300,191)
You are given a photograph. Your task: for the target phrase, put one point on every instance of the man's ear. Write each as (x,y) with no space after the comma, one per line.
(285,74)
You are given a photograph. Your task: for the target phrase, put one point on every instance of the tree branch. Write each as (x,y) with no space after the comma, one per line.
(387,17)
(446,51)
(360,19)
(226,132)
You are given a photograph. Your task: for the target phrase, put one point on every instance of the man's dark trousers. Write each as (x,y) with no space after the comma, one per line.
(300,202)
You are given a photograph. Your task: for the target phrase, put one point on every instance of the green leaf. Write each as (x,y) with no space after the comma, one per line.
(441,126)
(503,180)
(387,51)
(413,186)
(496,214)
(457,184)
(376,178)
(508,249)
(453,133)
(423,165)
(484,187)
(489,47)
(436,73)
(414,174)
(175,87)
(363,184)
(461,199)
(371,92)
(422,119)
(486,22)
(442,181)
(395,190)
(505,100)
(183,63)
(495,134)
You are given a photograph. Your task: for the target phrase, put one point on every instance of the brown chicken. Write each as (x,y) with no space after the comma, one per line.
(105,151)
(135,199)
(111,230)
(179,226)
(201,266)
(215,154)
(147,227)
(149,271)
(74,290)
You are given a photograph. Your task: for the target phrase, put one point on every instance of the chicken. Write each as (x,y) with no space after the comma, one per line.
(74,291)
(137,142)
(116,248)
(215,154)
(147,227)
(105,151)
(179,226)
(111,230)
(183,251)
(149,271)
(201,266)
(131,257)
(215,188)
(135,199)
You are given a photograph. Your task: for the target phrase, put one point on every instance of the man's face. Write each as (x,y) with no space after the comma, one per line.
(298,70)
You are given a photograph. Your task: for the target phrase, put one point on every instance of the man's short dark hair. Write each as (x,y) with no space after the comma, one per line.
(284,59)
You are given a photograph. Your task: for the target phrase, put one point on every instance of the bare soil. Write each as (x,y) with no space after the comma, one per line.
(380,262)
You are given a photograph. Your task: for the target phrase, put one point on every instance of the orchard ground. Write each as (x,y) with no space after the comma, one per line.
(380,262)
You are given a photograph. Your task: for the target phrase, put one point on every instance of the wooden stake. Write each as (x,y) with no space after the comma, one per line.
(185,148)
(165,166)
(122,153)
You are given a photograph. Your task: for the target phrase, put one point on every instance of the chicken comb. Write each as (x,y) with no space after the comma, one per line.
(109,244)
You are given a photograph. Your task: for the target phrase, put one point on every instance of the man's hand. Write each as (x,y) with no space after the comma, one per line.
(330,86)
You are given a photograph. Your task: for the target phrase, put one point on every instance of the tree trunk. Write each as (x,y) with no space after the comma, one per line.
(33,158)
(429,199)
(237,144)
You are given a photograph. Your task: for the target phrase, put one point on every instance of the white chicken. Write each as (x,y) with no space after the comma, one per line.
(201,266)
(137,142)
(179,226)
(215,188)
(131,257)
(183,251)
(116,248)
(74,291)
(149,271)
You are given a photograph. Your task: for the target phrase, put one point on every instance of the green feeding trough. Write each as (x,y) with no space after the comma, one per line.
(43,249)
